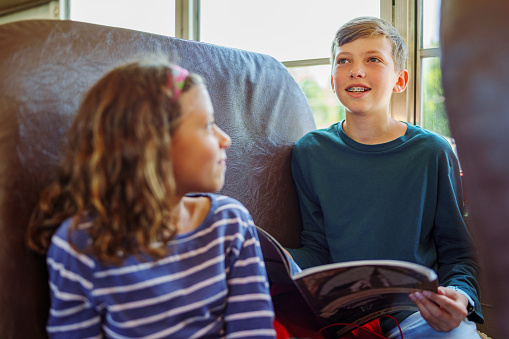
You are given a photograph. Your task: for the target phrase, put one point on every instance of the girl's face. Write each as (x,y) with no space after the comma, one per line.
(198,147)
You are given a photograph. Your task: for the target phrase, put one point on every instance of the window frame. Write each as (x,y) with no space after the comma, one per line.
(421,54)
(403,14)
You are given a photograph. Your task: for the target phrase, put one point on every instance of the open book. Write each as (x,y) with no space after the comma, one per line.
(354,292)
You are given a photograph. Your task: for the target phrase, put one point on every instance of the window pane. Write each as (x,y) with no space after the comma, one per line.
(153,16)
(430,23)
(315,82)
(284,29)
(434,116)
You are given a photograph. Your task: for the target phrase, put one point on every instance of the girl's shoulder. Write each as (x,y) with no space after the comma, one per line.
(69,244)
(224,211)
(222,203)
(79,236)
(226,215)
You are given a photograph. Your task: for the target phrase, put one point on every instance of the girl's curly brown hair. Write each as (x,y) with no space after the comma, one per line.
(117,167)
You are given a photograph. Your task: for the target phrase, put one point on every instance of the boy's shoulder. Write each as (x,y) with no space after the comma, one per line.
(432,139)
(328,139)
(315,137)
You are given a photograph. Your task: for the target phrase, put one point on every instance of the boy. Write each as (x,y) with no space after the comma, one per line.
(372,187)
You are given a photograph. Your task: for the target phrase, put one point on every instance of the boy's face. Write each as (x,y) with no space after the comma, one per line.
(198,146)
(364,78)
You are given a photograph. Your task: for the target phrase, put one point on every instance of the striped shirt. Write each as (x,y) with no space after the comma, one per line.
(212,284)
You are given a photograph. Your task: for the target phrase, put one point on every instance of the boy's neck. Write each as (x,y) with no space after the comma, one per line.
(373,130)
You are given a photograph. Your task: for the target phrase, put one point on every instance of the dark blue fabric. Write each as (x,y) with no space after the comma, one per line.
(398,200)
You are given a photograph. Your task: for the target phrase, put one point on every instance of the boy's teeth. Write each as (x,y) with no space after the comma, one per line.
(357,89)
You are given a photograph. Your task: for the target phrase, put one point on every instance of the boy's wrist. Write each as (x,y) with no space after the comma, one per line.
(471,303)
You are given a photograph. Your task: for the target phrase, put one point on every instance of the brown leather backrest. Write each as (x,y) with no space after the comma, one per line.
(475,55)
(45,68)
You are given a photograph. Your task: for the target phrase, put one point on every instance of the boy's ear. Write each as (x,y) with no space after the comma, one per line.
(332,83)
(402,82)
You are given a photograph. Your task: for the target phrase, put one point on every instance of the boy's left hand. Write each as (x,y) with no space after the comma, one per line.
(443,311)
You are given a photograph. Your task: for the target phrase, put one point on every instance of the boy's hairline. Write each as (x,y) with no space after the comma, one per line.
(348,34)
(367,36)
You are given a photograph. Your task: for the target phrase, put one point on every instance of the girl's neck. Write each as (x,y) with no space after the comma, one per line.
(373,130)
(189,212)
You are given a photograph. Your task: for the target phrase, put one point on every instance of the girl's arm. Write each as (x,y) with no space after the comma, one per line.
(72,315)
(249,312)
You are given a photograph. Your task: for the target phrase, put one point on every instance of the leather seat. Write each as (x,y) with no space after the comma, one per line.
(45,68)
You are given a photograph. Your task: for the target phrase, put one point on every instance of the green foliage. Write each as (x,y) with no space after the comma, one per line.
(434,116)
(327,109)
(324,104)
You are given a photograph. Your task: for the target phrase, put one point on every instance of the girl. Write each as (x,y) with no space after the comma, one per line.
(130,251)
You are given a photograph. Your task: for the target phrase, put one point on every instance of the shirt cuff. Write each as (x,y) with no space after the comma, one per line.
(471,303)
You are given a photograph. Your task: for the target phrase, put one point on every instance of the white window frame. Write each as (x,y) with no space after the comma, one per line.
(421,54)
(400,13)
(403,18)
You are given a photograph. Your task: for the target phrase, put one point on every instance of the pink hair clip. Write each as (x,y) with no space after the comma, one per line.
(175,81)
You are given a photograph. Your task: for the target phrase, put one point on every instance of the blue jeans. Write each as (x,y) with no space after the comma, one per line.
(415,327)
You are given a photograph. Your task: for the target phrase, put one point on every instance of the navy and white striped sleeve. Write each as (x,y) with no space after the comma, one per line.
(72,315)
(249,312)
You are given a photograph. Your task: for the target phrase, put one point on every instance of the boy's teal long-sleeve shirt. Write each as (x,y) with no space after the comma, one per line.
(398,200)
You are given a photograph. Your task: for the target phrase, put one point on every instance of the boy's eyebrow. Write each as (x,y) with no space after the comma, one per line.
(342,54)
(374,52)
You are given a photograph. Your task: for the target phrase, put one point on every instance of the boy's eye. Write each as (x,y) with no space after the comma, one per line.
(373,59)
(342,61)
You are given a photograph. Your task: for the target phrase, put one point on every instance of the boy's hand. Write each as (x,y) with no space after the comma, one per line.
(443,311)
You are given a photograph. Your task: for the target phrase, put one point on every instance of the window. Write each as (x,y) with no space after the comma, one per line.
(299,34)
(49,10)
(315,83)
(153,16)
(288,30)
(430,112)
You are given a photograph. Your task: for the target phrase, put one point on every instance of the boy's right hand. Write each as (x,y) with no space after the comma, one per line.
(443,311)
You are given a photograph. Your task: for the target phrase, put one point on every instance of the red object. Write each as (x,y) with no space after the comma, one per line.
(367,331)
(294,317)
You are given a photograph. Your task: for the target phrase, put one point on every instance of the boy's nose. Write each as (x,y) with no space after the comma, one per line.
(356,73)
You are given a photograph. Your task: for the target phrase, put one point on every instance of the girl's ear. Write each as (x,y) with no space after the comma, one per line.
(402,82)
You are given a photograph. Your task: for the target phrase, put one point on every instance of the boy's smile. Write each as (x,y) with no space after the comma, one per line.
(364,76)
(357,89)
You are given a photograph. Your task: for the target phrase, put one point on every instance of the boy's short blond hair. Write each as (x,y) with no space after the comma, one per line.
(371,27)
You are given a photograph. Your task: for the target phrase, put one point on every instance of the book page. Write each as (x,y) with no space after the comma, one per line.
(358,292)
(277,264)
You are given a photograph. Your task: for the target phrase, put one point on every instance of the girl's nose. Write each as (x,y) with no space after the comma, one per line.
(224,139)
